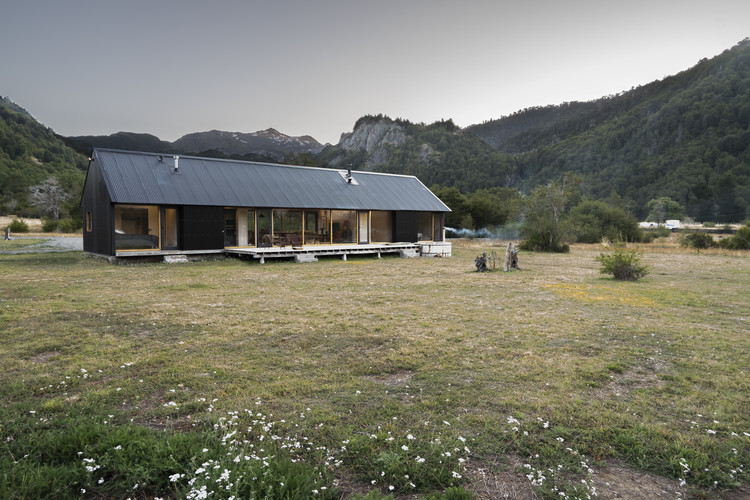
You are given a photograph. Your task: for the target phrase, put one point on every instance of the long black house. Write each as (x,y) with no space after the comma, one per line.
(146,204)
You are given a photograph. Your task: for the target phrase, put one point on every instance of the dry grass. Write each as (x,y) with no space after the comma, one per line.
(421,340)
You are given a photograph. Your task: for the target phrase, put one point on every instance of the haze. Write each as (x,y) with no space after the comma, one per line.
(171,67)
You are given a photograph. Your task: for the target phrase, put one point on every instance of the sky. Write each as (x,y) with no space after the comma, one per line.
(313,67)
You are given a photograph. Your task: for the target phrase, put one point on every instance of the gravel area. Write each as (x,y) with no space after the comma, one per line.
(53,244)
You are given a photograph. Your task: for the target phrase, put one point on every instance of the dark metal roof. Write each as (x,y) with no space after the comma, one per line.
(149,178)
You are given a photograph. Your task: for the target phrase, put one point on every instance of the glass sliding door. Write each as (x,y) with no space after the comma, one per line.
(317,227)
(251,228)
(264,228)
(382,226)
(343,226)
(287,227)
(437,227)
(424,226)
(364,227)
(169,231)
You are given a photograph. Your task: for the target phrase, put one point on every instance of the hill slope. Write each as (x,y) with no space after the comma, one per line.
(29,154)
(686,137)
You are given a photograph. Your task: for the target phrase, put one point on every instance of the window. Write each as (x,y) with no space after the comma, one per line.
(287,227)
(317,228)
(343,225)
(251,227)
(89,222)
(381,226)
(424,226)
(136,227)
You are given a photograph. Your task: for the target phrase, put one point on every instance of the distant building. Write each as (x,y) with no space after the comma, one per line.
(145,204)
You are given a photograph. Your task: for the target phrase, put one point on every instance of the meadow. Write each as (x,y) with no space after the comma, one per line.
(376,378)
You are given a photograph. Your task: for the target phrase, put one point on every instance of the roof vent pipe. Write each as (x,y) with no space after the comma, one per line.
(176,164)
(349,176)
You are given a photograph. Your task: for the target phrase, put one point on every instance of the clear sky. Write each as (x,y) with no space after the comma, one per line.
(171,67)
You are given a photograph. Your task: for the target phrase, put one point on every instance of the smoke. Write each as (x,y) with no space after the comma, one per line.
(508,232)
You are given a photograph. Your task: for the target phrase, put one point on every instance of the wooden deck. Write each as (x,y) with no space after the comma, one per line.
(307,253)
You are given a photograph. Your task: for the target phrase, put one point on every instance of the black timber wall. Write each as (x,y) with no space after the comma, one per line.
(405,226)
(202,228)
(95,199)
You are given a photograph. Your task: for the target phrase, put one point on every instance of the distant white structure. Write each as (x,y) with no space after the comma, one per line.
(672,224)
(647,225)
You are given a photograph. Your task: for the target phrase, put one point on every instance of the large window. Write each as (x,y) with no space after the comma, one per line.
(264,228)
(317,227)
(343,226)
(136,227)
(381,227)
(287,227)
(250,227)
(424,226)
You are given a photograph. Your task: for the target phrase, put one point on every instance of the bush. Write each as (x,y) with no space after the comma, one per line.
(592,220)
(623,264)
(49,226)
(18,226)
(66,225)
(739,240)
(541,244)
(697,240)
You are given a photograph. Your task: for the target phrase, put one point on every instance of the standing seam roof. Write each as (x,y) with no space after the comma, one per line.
(149,178)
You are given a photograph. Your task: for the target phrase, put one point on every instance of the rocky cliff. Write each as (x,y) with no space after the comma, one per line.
(376,137)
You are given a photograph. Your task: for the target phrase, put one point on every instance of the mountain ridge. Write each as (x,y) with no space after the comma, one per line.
(267,144)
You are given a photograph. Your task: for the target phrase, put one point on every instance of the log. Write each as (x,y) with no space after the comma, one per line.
(511,257)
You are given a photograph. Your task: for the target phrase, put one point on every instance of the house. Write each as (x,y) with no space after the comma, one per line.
(145,204)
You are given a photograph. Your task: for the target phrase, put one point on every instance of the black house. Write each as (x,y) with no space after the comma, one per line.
(145,204)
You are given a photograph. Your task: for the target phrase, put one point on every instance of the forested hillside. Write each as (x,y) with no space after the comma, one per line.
(686,137)
(30,153)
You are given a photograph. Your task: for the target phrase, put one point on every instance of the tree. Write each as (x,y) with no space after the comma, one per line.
(544,213)
(664,208)
(48,196)
(591,220)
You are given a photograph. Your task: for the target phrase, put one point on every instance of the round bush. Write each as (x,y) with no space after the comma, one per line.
(18,226)
(623,264)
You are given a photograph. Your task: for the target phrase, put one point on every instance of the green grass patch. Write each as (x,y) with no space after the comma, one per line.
(382,378)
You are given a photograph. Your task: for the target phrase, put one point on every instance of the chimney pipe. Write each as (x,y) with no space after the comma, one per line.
(176,163)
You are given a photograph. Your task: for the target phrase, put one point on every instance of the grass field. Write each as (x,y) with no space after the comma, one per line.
(368,378)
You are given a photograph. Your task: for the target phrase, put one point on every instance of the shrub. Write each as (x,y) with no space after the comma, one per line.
(66,225)
(49,226)
(18,226)
(697,240)
(623,264)
(739,240)
(592,220)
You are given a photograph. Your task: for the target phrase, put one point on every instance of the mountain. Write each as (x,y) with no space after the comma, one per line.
(686,137)
(438,154)
(29,154)
(269,144)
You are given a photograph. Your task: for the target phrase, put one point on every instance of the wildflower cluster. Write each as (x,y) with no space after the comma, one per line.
(399,461)
(550,468)
(260,458)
